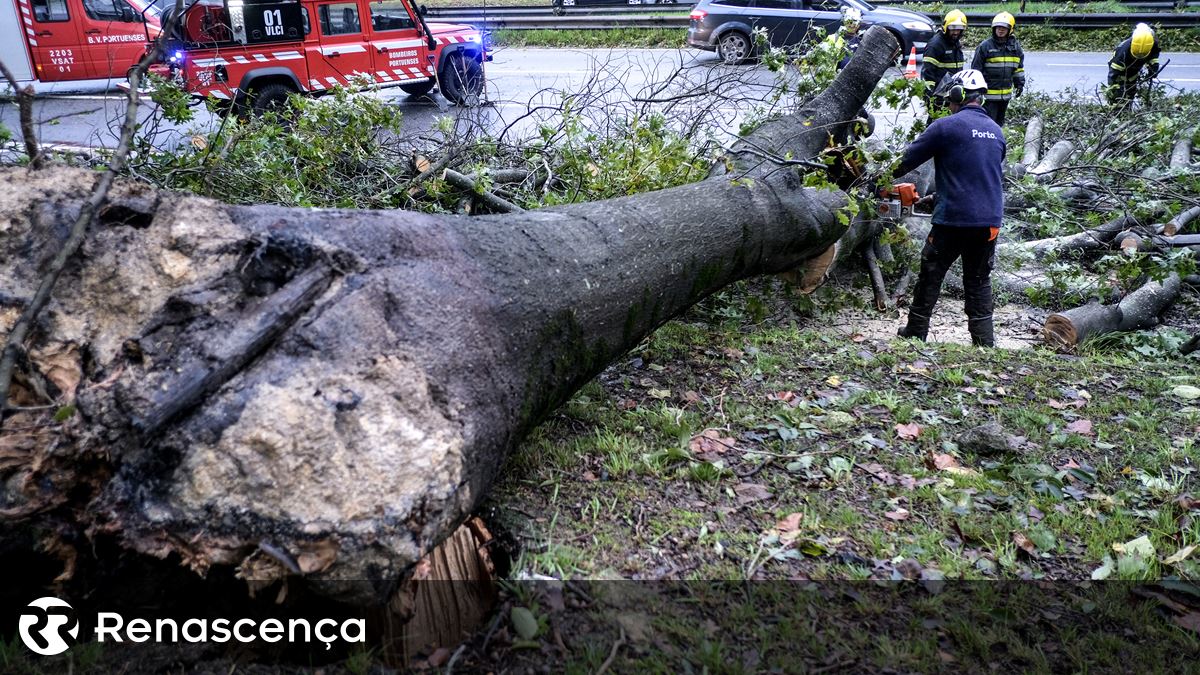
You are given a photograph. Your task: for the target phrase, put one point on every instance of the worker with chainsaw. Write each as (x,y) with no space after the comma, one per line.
(1002,62)
(944,54)
(967,148)
(1138,51)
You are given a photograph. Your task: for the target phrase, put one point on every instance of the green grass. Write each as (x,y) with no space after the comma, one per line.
(616,450)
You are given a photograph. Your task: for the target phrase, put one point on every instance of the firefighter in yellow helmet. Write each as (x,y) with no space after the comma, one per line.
(943,54)
(1002,62)
(1141,49)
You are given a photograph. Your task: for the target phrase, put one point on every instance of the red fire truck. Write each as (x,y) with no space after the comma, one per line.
(74,44)
(255,53)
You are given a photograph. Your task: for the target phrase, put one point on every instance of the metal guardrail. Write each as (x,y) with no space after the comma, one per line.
(662,16)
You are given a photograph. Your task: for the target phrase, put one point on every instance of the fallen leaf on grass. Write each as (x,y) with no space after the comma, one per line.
(1180,555)
(1186,392)
(898,515)
(710,444)
(589,477)
(1082,427)
(748,493)
(908,432)
(876,471)
(790,523)
(1189,621)
(660,393)
(1024,543)
(1187,502)
(949,464)
(691,397)
(784,396)
(910,483)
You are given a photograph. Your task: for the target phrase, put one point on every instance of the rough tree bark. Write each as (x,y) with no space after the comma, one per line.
(1033,142)
(341,387)
(1137,311)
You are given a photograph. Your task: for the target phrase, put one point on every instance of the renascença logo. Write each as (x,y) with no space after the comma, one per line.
(48,626)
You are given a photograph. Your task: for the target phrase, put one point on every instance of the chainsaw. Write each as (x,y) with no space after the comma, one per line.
(897,201)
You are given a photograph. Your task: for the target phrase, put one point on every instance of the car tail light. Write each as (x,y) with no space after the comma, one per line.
(697,15)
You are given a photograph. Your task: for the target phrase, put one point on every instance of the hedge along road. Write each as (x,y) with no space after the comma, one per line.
(521,77)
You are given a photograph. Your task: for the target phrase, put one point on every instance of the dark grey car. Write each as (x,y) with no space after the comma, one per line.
(727,26)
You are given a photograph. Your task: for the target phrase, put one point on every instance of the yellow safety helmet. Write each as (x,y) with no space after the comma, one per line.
(1004,19)
(955,19)
(1143,41)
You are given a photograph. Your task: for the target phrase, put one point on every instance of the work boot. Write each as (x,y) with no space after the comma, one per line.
(914,329)
(983,334)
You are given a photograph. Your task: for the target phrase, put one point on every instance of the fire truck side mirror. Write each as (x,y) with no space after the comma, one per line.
(422,10)
(127,14)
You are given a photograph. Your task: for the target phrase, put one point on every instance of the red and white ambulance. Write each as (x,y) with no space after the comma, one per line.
(254,53)
(74,45)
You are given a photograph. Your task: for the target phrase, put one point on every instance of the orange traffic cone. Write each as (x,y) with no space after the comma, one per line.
(910,71)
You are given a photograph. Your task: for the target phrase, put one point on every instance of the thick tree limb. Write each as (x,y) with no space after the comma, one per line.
(824,120)
(1080,244)
(1181,221)
(24,99)
(1181,154)
(1056,157)
(1033,142)
(1137,311)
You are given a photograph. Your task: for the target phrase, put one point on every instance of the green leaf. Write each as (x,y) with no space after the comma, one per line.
(524,622)
(811,548)
(64,413)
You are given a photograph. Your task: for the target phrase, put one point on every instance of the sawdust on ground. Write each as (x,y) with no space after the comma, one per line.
(1016,327)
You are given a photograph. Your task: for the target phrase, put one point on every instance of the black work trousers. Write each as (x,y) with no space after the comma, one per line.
(996,109)
(977,248)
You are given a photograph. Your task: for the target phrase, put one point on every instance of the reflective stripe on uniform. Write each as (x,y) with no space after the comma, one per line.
(952,64)
(1003,59)
(1115,66)
(999,92)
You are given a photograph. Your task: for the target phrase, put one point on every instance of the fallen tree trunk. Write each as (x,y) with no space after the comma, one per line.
(340,387)
(1137,311)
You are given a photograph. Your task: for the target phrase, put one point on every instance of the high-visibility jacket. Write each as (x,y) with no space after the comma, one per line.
(1003,66)
(1124,66)
(942,57)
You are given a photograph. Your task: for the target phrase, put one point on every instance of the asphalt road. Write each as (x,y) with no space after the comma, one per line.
(525,90)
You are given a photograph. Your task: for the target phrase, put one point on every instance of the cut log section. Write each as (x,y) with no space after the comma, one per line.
(446,599)
(1137,311)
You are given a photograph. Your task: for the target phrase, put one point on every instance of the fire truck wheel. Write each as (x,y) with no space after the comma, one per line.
(417,88)
(462,79)
(269,98)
